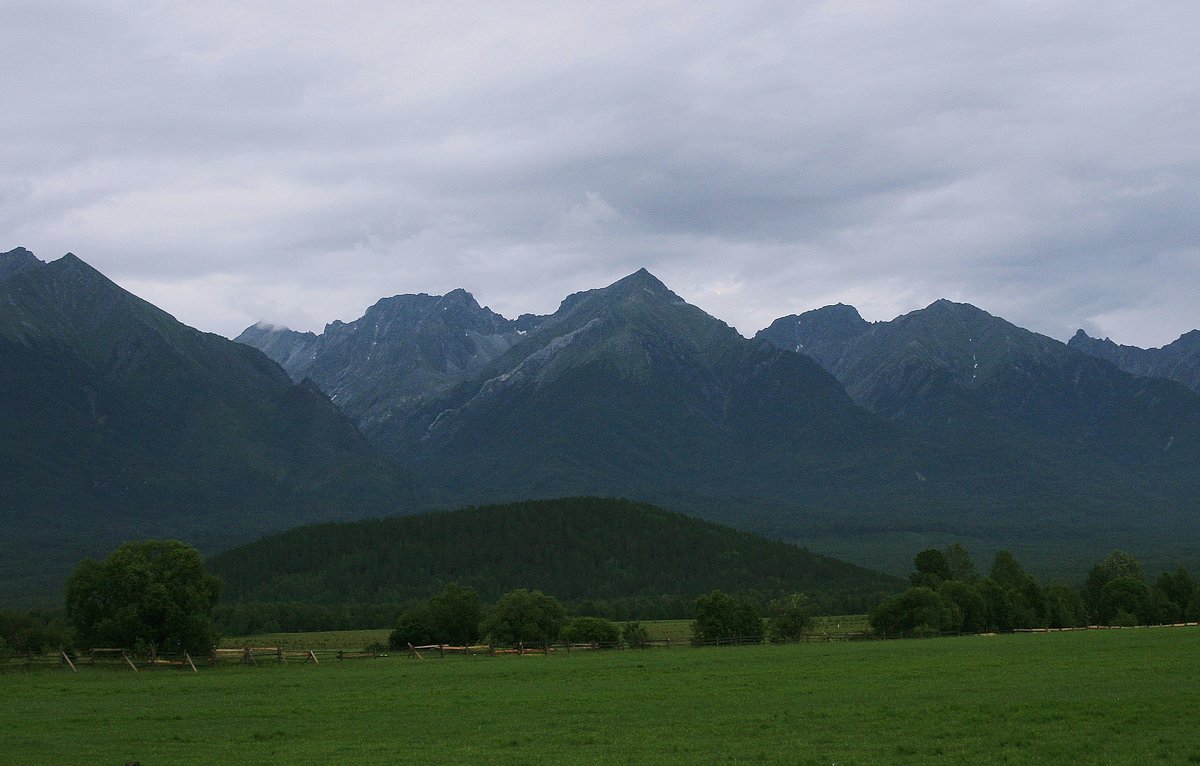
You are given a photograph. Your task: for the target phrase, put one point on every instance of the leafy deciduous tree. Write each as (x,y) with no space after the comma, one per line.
(1174,595)
(1064,607)
(916,610)
(155,593)
(456,613)
(1124,600)
(720,616)
(524,616)
(932,569)
(969,602)
(450,617)
(960,563)
(790,617)
(1116,565)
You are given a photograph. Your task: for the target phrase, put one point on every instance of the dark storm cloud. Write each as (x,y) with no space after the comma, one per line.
(294,162)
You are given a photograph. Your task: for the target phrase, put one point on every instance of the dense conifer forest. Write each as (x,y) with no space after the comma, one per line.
(614,558)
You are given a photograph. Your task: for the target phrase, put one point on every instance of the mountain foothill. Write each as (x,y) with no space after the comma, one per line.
(859,440)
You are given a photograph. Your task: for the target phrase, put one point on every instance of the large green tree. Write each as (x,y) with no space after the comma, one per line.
(450,617)
(154,593)
(720,616)
(524,616)
(916,610)
(790,617)
(1118,565)
(960,563)
(932,569)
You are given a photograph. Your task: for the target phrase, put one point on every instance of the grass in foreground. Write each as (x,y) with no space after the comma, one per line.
(1086,697)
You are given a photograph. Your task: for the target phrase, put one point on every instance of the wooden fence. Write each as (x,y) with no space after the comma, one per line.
(122,659)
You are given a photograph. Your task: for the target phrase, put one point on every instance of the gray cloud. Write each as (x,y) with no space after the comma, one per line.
(295,162)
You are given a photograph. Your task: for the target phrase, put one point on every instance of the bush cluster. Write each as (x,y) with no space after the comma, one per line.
(948,596)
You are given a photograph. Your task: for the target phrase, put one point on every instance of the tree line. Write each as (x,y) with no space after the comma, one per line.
(157,595)
(947,594)
(249,618)
(456,616)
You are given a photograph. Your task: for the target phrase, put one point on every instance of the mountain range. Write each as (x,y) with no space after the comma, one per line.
(865,440)
(1178,361)
(862,440)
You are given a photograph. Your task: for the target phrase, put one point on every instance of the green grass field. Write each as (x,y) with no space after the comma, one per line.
(1102,697)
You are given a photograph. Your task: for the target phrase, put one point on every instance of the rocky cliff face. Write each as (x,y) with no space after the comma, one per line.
(1178,361)
(953,367)
(403,347)
(15,261)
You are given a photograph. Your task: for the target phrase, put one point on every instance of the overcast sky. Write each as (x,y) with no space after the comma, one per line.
(295,161)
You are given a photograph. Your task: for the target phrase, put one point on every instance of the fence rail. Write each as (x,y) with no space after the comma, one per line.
(123,660)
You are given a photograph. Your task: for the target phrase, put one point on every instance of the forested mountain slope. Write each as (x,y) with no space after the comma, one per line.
(118,422)
(572,548)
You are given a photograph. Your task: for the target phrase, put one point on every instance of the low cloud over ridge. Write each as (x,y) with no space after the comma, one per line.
(292,162)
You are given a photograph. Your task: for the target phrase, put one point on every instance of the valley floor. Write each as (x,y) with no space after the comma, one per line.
(1116,696)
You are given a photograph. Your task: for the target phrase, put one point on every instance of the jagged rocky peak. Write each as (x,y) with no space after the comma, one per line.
(262,328)
(457,307)
(944,308)
(1178,360)
(639,284)
(838,323)
(641,278)
(839,316)
(262,332)
(1189,340)
(17,260)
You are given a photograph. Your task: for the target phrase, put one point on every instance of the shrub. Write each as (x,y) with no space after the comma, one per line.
(633,633)
(591,629)
(789,618)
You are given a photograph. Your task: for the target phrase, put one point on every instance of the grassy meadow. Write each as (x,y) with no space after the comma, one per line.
(1113,696)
